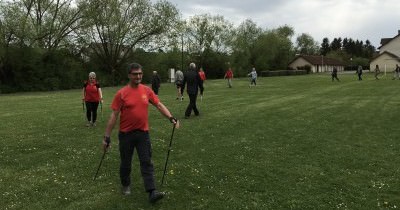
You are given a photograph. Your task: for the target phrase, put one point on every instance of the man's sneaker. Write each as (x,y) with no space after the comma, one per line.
(94,124)
(155,196)
(126,190)
(88,124)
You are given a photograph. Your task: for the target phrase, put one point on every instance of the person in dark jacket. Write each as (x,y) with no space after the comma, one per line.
(334,74)
(359,72)
(155,82)
(193,82)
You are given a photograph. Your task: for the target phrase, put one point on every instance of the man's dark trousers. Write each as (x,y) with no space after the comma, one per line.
(192,105)
(127,143)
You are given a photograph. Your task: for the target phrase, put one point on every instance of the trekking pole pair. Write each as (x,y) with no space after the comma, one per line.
(166,161)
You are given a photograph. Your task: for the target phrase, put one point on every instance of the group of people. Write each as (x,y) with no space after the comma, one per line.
(253,77)
(359,72)
(193,80)
(130,104)
(180,82)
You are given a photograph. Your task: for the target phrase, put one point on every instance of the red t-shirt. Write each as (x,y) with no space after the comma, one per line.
(133,104)
(92,92)
(229,74)
(202,75)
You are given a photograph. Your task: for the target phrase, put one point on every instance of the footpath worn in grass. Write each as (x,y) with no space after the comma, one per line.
(300,142)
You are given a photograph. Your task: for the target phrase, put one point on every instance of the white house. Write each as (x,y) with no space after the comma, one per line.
(317,63)
(389,54)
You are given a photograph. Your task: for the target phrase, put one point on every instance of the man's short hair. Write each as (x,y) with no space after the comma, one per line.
(134,66)
(192,66)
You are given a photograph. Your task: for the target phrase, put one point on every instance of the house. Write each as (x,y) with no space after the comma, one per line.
(317,63)
(389,54)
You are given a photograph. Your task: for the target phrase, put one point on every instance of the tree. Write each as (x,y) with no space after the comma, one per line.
(306,45)
(206,34)
(325,46)
(242,43)
(44,24)
(336,44)
(274,49)
(369,50)
(114,28)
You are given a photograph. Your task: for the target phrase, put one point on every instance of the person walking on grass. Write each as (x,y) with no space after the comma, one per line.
(334,74)
(253,77)
(202,75)
(91,96)
(229,76)
(359,72)
(179,84)
(130,104)
(377,72)
(155,82)
(193,83)
(396,72)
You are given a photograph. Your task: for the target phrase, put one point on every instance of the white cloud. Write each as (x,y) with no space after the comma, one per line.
(367,19)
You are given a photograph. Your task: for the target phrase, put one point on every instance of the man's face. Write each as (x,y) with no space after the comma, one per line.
(135,76)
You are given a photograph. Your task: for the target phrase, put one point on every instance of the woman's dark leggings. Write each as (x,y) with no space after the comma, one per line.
(91,108)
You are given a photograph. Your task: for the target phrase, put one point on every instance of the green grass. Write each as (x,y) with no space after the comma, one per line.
(300,142)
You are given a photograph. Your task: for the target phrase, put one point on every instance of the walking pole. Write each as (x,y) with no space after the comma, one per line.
(166,161)
(101,110)
(102,158)
(83,110)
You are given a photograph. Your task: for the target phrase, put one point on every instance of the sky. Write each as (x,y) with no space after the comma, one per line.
(357,19)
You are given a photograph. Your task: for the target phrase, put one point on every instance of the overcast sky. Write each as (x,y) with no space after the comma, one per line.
(357,19)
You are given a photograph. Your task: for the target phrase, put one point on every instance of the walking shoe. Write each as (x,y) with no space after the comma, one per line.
(88,124)
(126,190)
(94,124)
(155,196)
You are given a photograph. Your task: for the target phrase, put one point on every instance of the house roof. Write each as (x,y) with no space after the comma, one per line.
(395,57)
(385,41)
(318,60)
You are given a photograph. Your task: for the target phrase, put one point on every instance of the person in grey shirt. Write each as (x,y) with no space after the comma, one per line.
(179,84)
(253,75)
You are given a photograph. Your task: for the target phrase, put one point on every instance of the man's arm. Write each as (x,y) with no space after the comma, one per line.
(164,111)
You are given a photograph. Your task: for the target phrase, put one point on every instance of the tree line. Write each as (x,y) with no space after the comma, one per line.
(53,45)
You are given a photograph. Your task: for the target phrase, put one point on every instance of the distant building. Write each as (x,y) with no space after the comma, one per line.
(389,54)
(317,63)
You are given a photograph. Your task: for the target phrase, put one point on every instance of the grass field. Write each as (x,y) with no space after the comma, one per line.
(300,142)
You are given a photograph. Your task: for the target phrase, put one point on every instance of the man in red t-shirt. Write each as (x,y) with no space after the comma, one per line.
(229,77)
(131,104)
